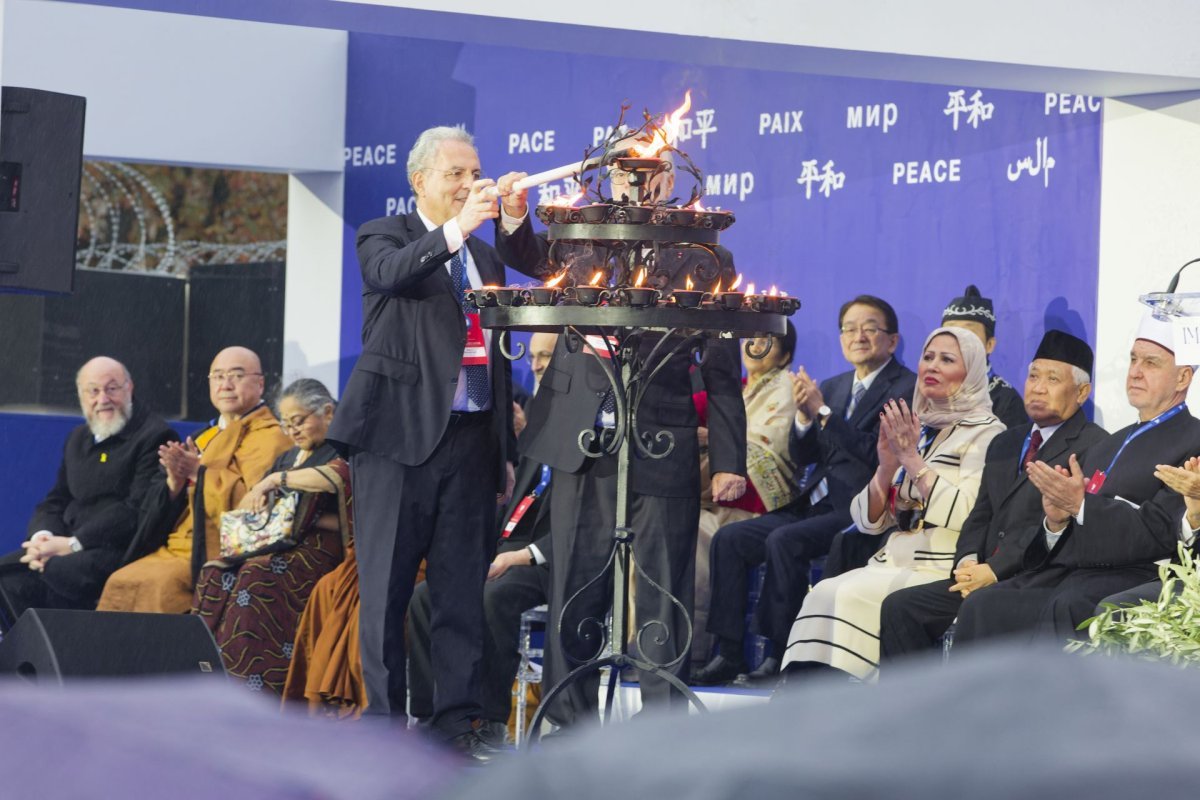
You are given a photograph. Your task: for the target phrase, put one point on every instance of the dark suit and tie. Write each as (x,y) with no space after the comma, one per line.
(842,457)
(913,619)
(425,420)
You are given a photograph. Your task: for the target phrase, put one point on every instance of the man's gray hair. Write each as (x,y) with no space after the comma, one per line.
(309,393)
(424,150)
(1080,376)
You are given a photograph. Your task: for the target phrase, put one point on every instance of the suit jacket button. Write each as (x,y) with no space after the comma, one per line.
(1000,535)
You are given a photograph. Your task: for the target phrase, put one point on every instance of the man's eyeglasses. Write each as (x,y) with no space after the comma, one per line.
(457,174)
(235,375)
(92,391)
(293,424)
(866,330)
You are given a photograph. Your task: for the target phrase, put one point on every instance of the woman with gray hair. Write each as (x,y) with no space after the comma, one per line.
(252,606)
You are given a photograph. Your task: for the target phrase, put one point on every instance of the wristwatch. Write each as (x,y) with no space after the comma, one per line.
(75,544)
(823,412)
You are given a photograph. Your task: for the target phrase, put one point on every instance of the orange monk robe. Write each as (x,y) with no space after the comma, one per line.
(234,459)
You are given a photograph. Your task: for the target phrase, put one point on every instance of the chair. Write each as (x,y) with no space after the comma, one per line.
(529,671)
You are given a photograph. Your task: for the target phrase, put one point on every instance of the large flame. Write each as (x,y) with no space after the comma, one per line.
(595,281)
(665,134)
(556,280)
(733,286)
(641,277)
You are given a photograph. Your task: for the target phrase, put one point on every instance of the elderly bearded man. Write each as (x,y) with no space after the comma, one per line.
(205,477)
(79,533)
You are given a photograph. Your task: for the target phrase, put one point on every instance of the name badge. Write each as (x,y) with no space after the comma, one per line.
(475,351)
(1096,483)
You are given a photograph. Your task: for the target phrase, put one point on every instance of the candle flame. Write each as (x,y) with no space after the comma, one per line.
(595,281)
(736,283)
(567,200)
(750,288)
(641,277)
(556,280)
(665,134)
(717,288)
(774,292)
(688,285)
(697,206)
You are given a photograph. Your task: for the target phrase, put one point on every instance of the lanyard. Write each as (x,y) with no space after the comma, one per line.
(519,512)
(1145,426)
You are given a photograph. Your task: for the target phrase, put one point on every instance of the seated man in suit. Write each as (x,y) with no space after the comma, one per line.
(837,426)
(78,534)
(1108,518)
(517,580)
(975,313)
(1057,385)
(206,476)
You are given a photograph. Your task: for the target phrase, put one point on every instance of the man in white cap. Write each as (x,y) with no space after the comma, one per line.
(1108,517)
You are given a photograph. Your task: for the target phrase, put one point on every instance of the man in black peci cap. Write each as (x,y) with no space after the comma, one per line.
(1058,383)
(975,313)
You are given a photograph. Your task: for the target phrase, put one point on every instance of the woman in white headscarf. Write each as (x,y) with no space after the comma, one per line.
(930,463)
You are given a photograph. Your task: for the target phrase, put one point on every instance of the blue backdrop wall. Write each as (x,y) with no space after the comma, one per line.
(840,186)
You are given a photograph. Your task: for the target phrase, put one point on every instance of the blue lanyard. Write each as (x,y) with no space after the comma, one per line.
(543,483)
(1025,448)
(1145,426)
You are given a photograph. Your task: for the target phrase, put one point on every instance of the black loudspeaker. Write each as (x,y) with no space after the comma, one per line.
(41,155)
(53,646)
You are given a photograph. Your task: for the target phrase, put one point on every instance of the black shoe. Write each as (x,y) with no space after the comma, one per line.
(720,670)
(494,734)
(470,746)
(766,674)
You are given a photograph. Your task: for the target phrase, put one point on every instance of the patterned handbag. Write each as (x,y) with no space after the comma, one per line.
(246,533)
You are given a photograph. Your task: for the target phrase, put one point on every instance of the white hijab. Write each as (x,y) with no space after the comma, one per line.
(971,398)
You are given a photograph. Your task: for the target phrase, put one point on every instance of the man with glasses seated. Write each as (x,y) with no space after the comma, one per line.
(205,476)
(834,436)
(78,534)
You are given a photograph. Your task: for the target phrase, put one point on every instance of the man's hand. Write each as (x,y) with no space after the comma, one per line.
(726,486)
(182,463)
(503,562)
(478,207)
(971,577)
(807,395)
(37,553)
(1186,481)
(510,480)
(1062,489)
(514,203)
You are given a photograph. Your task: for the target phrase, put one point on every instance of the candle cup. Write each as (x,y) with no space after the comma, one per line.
(481,298)
(544,295)
(688,298)
(765,302)
(634,215)
(545,214)
(509,296)
(730,301)
(639,296)
(595,213)
(589,295)
(788,306)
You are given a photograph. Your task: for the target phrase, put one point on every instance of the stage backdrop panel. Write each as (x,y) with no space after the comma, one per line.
(840,186)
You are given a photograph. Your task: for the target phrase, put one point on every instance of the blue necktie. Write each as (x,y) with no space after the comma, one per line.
(478,390)
(855,397)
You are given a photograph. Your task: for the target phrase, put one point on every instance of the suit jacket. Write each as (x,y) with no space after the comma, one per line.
(843,450)
(1008,503)
(575,384)
(1134,519)
(100,489)
(397,401)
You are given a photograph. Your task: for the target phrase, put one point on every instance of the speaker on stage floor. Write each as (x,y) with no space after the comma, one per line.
(53,646)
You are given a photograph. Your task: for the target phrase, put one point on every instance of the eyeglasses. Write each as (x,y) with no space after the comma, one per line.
(457,174)
(93,391)
(294,423)
(235,375)
(866,330)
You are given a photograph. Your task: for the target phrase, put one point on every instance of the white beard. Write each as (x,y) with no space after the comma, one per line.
(103,430)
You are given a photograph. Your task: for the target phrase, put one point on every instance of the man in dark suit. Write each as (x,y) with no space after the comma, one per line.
(837,426)
(1107,516)
(975,313)
(574,397)
(79,532)
(1057,385)
(425,421)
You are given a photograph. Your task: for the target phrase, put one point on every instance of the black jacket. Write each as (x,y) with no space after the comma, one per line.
(100,487)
